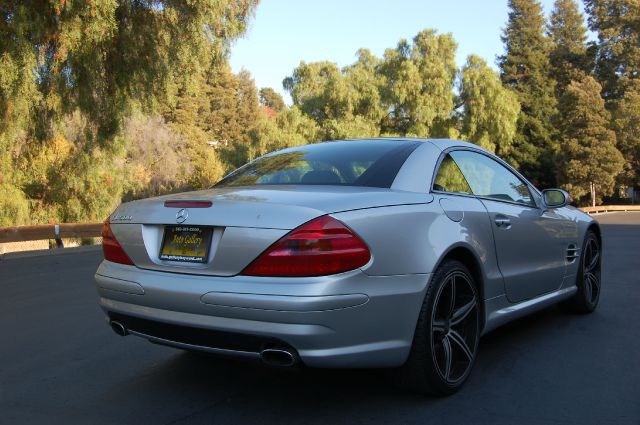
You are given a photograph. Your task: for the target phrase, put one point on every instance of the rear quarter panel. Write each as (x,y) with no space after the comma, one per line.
(414,239)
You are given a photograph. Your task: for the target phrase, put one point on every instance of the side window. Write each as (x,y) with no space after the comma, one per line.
(490,179)
(450,178)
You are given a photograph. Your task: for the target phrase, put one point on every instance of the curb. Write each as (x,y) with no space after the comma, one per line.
(45,252)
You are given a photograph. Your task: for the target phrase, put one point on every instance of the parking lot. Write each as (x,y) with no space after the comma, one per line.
(61,363)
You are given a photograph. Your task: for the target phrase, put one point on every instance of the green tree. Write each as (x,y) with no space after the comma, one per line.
(589,154)
(525,68)
(365,81)
(570,58)
(617,23)
(290,128)
(215,118)
(626,123)
(233,105)
(187,119)
(490,111)
(344,103)
(271,98)
(233,110)
(66,61)
(320,90)
(417,85)
(99,56)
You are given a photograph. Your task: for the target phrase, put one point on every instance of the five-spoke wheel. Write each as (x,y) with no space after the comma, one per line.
(591,270)
(446,337)
(454,327)
(588,279)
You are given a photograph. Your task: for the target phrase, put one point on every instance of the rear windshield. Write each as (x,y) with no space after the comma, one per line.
(372,163)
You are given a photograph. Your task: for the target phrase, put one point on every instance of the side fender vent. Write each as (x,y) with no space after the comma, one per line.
(573,252)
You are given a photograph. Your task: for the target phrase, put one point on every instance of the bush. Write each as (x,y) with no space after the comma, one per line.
(14,207)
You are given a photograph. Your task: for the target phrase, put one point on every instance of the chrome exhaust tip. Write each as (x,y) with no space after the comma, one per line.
(280,357)
(118,328)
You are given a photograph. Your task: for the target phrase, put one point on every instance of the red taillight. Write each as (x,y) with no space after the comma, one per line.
(319,247)
(111,247)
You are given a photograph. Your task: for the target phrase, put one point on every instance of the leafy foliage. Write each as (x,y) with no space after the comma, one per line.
(525,68)
(570,55)
(290,128)
(269,97)
(86,67)
(417,85)
(589,153)
(490,110)
(617,23)
(115,100)
(626,123)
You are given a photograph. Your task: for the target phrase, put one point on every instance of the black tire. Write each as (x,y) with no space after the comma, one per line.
(588,278)
(445,342)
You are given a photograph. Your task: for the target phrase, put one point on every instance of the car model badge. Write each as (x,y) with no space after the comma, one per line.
(182,215)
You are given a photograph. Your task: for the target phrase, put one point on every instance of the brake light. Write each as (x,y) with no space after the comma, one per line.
(188,204)
(111,247)
(319,247)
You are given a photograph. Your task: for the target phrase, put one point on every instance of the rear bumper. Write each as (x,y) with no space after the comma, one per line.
(345,320)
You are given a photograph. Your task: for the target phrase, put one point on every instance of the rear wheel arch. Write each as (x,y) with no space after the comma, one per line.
(466,256)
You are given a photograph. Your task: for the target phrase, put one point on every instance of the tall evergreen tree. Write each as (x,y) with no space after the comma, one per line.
(525,68)
(626,123)
(569,53)
(617,23)
(589,154)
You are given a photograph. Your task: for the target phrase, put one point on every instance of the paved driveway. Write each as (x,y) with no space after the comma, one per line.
(60,363)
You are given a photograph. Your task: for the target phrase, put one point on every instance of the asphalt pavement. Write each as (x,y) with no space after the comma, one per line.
(61,364)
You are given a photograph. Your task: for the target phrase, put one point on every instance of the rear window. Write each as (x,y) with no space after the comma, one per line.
(372,163)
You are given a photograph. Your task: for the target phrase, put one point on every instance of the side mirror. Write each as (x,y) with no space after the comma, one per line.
(555,198)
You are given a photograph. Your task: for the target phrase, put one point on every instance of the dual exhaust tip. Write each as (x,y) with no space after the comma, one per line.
(274,356)
(118,328)
(279,357)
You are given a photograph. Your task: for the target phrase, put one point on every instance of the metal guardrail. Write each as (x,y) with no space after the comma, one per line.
(610,208)
(50,231)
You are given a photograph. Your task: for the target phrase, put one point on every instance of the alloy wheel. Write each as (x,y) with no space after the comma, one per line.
(591,270)
(454,327)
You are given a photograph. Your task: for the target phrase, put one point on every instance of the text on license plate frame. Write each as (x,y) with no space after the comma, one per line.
(176,239)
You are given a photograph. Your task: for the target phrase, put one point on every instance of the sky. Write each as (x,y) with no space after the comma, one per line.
(285,32)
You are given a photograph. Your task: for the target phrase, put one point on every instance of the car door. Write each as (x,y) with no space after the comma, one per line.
(530,241)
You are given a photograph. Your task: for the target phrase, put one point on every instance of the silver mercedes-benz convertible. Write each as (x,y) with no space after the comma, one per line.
(395,253)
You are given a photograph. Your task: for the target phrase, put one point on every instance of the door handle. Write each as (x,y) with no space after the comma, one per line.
(502,221)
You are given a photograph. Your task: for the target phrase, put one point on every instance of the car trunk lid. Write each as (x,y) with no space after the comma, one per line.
(243,221)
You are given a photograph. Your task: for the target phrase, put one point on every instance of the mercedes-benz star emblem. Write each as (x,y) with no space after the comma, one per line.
(182,215)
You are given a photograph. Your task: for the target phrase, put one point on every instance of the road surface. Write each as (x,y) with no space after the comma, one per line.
(60,363)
